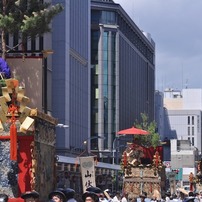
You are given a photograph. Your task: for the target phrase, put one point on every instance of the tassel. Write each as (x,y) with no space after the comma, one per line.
(191,187)
(13,142)
(157,158)
(125,159)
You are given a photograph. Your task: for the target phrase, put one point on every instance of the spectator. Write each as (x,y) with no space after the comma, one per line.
(32,196)
(3,198)
(57,196)
(90,197)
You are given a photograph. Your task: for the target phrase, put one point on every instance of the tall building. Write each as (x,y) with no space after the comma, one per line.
(122,72)
(103,73)
(159,113)
(71,73)
(183,115)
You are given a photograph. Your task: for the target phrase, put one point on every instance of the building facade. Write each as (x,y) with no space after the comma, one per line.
(184,158)
(183,115)
(122,72)
(71,74)
(159,113)
(103,73)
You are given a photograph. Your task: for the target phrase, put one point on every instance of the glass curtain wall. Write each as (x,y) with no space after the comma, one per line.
(103,80)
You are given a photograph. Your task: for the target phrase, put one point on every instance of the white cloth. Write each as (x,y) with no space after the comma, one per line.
(115,199)
(103,200)
(124,199)
(167,199)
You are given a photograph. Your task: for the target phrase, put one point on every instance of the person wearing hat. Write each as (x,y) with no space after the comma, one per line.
(95,190)
(69,194)
(98,192)
(3,197)
(90,197)
(57,196)
(143,196)
(30,196)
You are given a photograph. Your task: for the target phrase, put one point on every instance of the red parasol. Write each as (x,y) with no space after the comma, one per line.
(133,131)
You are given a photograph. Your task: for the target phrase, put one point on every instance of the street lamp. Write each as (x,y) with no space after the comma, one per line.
(85,142)
(60,125)
(115,148)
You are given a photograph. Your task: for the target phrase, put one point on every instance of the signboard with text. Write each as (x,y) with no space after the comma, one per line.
(87,171)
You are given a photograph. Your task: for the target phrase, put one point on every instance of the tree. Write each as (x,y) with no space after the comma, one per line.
(27,18)
(153,139)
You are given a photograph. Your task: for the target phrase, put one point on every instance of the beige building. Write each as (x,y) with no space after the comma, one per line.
(185,156)
(183,115)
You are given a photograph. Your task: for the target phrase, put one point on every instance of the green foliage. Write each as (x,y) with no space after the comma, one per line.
(38,22)
(153,139)
(6,21)
(29,18)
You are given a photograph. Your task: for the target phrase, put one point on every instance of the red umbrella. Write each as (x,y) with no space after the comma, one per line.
(133,131)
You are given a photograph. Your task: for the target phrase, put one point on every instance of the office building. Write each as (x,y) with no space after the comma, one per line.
(103,73)
(71,74)
(183,115)
(122,71)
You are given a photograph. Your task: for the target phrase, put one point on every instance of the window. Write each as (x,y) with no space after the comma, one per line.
(192,119)
(96,93)
(108,17)
(188,120)
(188,131)
(192,130)
(192,141)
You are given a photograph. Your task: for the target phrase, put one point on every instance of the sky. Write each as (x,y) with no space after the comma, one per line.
(176,28)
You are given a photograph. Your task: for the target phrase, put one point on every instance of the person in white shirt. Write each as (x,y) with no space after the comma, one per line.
(168,196)
(117,197)
(124,198)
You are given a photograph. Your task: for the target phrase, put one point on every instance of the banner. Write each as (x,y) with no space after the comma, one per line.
(87,165)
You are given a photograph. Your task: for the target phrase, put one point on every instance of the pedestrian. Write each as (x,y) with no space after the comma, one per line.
(143,196)
(57,196)
(98,192)
(30,196)
(90,197)
(197,197)
(66,180)
(168,194)
(156,196)
(124,198)
(183,194)
(200,196)
(3,197)
(117,197)
(69,194)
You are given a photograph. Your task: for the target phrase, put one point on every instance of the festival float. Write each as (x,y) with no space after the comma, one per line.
(27,144)
(195,182)
(142,169)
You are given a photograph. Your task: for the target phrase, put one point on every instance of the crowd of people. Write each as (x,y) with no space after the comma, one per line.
(95,194)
